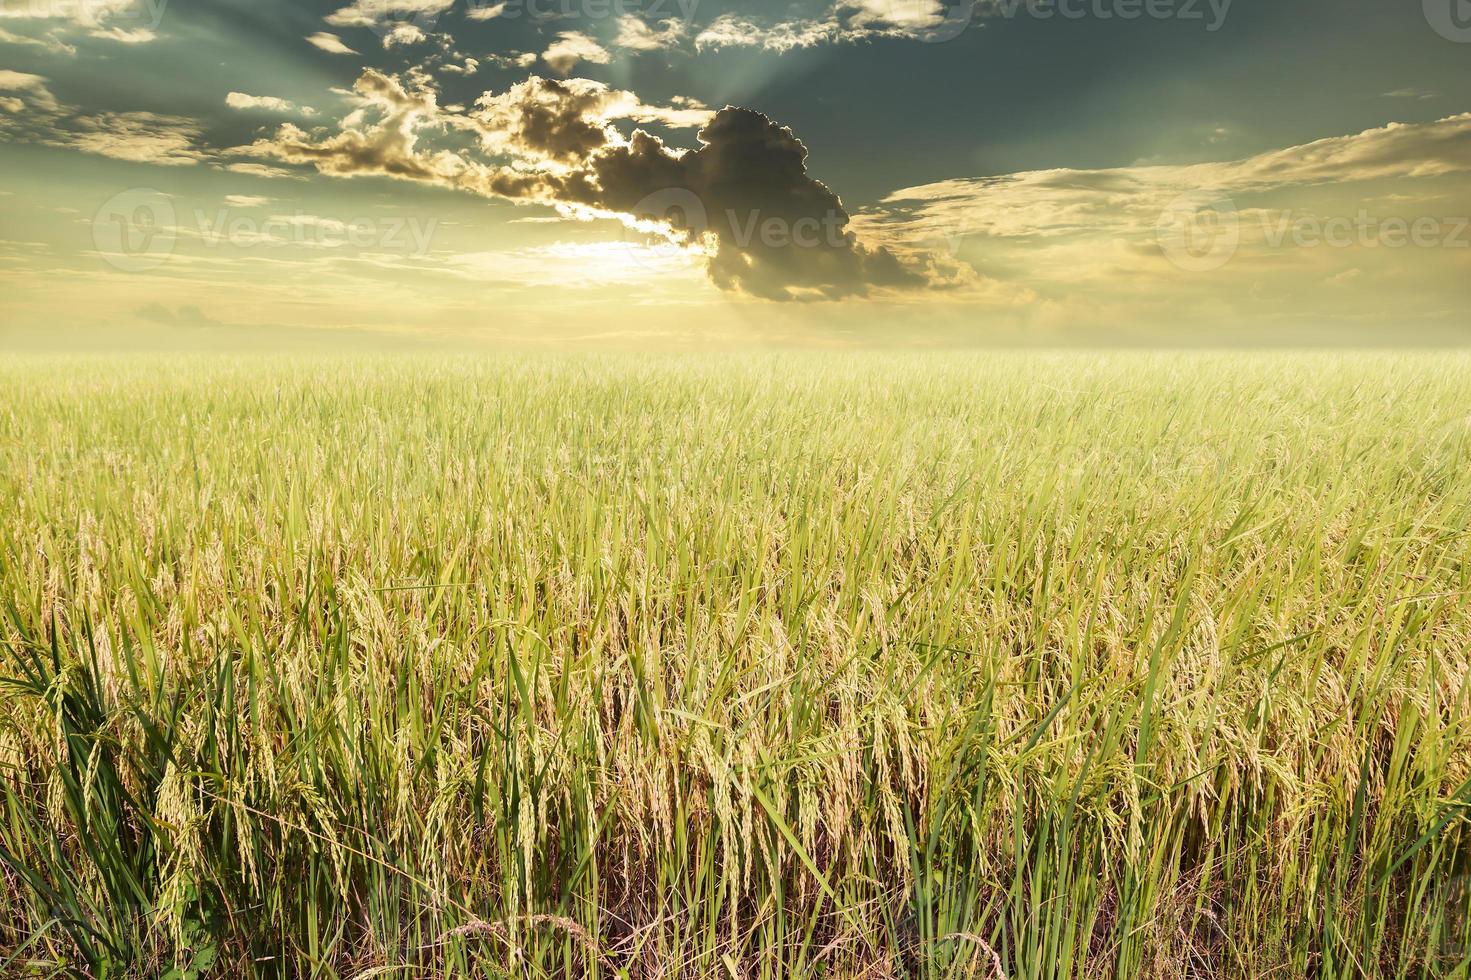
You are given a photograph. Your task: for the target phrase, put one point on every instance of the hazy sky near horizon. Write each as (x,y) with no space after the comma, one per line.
(696,173)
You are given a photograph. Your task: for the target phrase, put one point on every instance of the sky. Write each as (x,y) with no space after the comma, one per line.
(696,174)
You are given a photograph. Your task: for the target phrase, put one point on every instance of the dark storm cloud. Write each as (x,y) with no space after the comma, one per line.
(744,197)
(778,232)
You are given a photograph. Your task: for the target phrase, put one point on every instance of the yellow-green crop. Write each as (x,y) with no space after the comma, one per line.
(748,667)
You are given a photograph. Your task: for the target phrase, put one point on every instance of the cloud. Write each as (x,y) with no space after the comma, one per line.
(513,59)
(1104,247)
(745,201)
(735,31)
(330,43)
(246,201)
(269,103)
(480,10)
(388,147)
(636,35)
(908,16)
(684,113)
(90,14)
(49,42)
(538,121)
(403,35)
(138,137)
(375,13)
(136,35)
(261,170)
(845,22)
(572,47)
(32,89)
(97,17)
(1052,203)
(563,122)
(1420,95)
(469,67)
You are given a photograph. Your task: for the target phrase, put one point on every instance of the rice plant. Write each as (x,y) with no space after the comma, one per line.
(1023,666)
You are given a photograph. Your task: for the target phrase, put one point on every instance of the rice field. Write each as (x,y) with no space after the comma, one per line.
(940,666)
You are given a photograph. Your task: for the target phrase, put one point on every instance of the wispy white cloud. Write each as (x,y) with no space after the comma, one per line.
(375,13)
(635,34)
(404,34)
(139,137)
(268,103)
(467,67)
(1051,203)
(330,43)
(737,31)
(572,48)
(389,146)
(1415,94)
(261,170)
(26,90)
(482,11)
(125,21)
(48,42)
(126,35)
(845,22)
(37,116)
(513,59)
(1079,246)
